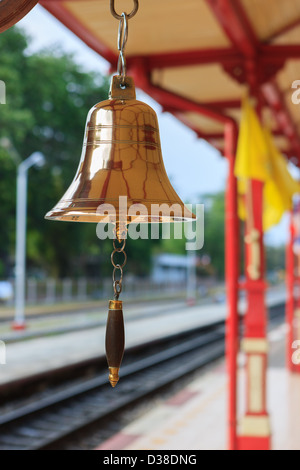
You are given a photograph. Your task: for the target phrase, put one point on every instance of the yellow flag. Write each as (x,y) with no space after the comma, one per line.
(258,158)
(271,217)
(286,185)
(252,159)
(280,189)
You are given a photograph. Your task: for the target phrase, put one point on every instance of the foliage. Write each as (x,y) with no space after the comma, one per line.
(214,229)
(48,97)
(213,236)
(275,258)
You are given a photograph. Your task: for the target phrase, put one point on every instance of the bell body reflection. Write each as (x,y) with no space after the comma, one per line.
(121,156)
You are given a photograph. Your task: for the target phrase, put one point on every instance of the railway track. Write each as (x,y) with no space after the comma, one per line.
(48,421)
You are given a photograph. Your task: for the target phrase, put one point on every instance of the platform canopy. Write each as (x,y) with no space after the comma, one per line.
(197,58)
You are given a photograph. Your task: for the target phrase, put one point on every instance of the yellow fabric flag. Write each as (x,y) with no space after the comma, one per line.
(280,189)
(258,158)
(252,159)
(286,185)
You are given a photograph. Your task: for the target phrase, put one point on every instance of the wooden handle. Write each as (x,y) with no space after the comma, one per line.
(115,340)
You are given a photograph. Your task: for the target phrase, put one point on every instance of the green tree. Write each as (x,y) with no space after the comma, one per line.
(214,237)
(275,258)
(214,231)
(172,244)
(214,206)
(48,97)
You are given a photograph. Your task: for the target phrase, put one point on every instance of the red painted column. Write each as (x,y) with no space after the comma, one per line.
(231,275)
(255,432)
(293,295)
(290,303)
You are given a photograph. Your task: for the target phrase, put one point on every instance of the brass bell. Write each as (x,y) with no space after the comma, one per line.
(121,156)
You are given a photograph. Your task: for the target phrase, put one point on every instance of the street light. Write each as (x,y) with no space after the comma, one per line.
(191,287)
(36,159)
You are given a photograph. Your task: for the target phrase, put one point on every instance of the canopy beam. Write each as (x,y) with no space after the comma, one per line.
(236,25)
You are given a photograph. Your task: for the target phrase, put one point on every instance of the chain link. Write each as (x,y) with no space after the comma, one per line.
(131,14)
(123,36)
(117,283)
(122,40)
(118,264)
(119,248)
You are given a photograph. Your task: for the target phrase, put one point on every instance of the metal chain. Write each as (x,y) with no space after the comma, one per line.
(131,15)
(117,283)
(123,36)
(122,40)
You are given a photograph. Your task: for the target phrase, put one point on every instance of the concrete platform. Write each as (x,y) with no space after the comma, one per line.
(195,418)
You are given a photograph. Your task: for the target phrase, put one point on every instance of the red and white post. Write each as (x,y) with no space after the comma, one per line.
(293,293)
(255,430)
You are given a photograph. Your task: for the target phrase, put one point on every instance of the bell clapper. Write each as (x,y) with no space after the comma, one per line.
(115,336)
(115,340)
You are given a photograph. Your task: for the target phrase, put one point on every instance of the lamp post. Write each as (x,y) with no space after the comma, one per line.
(36,159)
(191,294)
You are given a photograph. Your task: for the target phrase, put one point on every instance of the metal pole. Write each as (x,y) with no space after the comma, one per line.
(36,159)
(19,322)
(231,276)
(191,288)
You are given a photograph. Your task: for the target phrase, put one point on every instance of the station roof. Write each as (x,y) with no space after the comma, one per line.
(198,57)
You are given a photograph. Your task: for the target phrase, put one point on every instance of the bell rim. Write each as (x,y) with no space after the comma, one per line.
(86,208)
(68,217)
(92,217)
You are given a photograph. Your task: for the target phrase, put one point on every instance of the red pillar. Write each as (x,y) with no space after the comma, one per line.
(290,303)
(231,275)
(255,433)
(293,301)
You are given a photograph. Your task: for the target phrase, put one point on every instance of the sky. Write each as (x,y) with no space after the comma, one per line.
(193,166)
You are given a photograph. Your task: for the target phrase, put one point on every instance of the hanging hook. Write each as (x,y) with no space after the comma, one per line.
(119,17)
(122,40)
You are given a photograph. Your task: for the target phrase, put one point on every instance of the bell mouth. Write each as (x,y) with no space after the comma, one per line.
(83,217)
(96,211)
